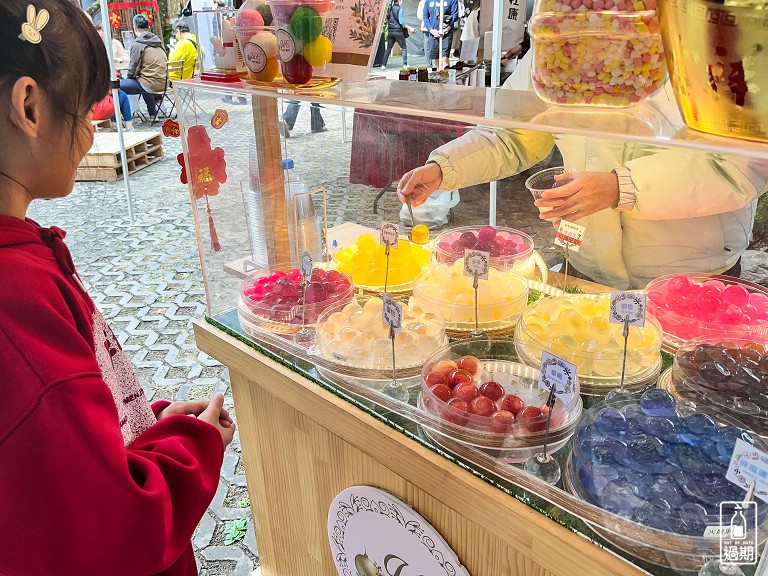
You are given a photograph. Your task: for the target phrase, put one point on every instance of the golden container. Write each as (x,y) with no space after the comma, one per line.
(717,55)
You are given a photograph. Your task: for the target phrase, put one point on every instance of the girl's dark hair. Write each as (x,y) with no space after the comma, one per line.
(70,63)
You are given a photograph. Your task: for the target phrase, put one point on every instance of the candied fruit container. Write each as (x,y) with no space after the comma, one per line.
(354,343)
(509,248)
(491,403)
(576,328)
(597,52)
(304,45)
(365,262)
(272,300)
(693,305)
(261,55)
(661,464)
(444,289)
(728,373)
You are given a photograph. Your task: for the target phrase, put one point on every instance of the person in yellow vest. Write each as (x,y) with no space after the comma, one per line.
(185,49)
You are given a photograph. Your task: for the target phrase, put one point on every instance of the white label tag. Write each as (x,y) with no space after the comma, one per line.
(389,234)
(339,357)
(306,265)
(628,305)
(286,45)
(570,234)
(715,532)
(476,263)
(392,314)
(748,464)
(558,373)
(255,58)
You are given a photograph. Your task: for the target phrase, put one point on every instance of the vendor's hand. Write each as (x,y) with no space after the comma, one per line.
(513,51)
(217,416)
(588,193)
(192,408)
(418,184)
(435,33)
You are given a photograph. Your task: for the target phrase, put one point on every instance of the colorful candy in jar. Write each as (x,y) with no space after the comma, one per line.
(279,296)
(357,336)
(469,396)
(648,462)
(577,329)
(366,263)
(446,288)
(688,307)
(600,52)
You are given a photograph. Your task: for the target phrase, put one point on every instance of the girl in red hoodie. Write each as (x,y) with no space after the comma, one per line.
(93,480)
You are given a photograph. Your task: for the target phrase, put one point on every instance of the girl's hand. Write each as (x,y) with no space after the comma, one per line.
(418,184)
(217,416)
(192,408)
(588,193)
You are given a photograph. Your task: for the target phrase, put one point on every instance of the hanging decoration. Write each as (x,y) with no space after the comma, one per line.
(150,17)
(115,19)
(171,128)
(208,170)
(220,117)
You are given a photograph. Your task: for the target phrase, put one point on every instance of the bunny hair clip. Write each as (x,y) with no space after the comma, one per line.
(36,21)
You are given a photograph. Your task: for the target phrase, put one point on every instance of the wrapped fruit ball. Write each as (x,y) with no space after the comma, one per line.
(318,52)
(297,70)
(269,73)
(267,42)
(306,24)
(266,13)
(249,18)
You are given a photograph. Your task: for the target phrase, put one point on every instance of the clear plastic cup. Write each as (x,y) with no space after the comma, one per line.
(549,179)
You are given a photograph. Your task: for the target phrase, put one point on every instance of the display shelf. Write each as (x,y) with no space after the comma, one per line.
(657,122)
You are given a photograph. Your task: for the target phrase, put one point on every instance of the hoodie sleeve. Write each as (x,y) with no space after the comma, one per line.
(89,505)
(674,184)
(133,63)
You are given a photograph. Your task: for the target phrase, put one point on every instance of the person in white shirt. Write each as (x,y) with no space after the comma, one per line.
(118,51)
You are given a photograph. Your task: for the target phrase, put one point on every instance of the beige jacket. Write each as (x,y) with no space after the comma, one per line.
(693,213)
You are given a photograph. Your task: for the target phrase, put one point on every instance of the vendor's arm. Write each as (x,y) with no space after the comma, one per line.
(482,155)
(675,184)
(133,64)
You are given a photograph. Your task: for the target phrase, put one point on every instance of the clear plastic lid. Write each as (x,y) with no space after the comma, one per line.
(576,328)
(693,305)
(445,289)
(509,248)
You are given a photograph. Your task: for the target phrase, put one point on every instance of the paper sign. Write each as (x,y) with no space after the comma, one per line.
(306,265)
(558,373)
(390,234)
(571,234)
(476,263)
(339,357)
(628,305)
(469,49)
(748,464)
(392,313)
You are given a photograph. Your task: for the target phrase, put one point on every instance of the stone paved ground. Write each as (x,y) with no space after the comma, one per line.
(146,278)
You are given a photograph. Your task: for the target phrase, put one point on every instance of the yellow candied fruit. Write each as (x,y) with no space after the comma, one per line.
(420,234)
(366,243)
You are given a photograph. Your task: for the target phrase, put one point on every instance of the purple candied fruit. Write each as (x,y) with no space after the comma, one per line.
(495,249)
(692,460)
(694,518)
(482,246)
(618,496)
(445,246)
(646,454)
(468,239)
(594,477)
(657,402)
(611,422)
(657,514)
(666,489)
(664,429)
(698,429)
(457,247)
(487,233)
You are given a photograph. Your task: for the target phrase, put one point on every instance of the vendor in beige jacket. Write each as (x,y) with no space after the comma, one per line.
(648,210)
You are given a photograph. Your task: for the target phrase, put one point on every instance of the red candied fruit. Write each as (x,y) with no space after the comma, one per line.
(459,413)
(492,390)
(679,285)
(736,295)
(442,392)
(295,276)
(435,378)
(445,367)
(468,363)
(466,392)
(487,233)
(501,421)
(460,377)
(512,403)
(334,276)
(468,239)
(318,275)
(482,406)
(531,419)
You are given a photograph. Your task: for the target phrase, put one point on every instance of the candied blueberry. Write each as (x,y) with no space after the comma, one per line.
(657,402)
(635,418)
(618,496)
(611,422)
(594,477)
(646,454)
(611,451)
(663,428)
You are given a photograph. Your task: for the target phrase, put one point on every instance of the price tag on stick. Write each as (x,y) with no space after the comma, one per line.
(570,235)
(476,263)
(307,263)
(628,307)
(558,374)
(392,314)
(389,234)
(748,464)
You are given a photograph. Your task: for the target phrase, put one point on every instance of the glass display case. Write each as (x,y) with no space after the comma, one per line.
(641,473)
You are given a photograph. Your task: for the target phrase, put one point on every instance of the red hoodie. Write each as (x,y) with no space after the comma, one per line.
(90,482)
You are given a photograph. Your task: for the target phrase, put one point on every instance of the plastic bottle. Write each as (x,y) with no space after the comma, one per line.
(304,226)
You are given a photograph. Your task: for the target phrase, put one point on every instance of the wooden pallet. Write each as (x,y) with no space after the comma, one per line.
(103,162)
(102,125)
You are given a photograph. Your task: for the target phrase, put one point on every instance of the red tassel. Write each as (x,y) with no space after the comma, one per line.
(212,228)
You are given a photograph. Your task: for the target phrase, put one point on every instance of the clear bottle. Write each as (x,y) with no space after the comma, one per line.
(434,76)
(304,226)
(738,525)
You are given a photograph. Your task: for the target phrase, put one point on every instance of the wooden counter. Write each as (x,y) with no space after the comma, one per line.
(302,445)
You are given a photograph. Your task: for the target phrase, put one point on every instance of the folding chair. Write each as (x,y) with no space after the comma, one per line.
(174,67)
